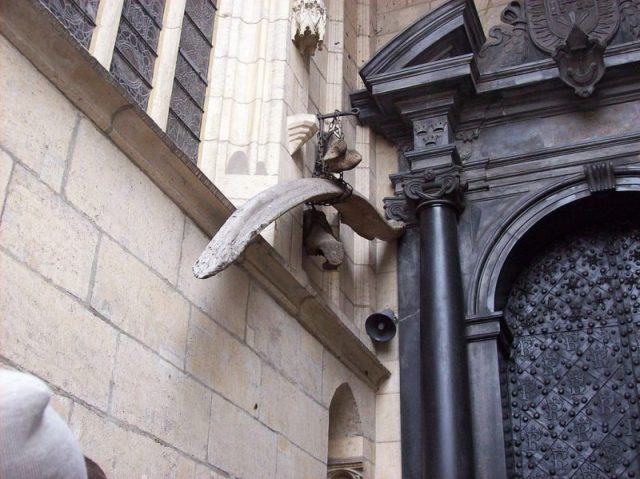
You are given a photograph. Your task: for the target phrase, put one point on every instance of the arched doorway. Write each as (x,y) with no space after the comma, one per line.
(572,384)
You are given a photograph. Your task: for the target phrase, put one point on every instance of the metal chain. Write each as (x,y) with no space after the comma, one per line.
(320,166)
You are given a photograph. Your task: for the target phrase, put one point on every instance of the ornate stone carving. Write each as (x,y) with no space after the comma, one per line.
(580,61)
(346,471)
(574,33)
(552,21)
(428,187)
(600,176)
(423,188)
(396,208)
(509,44)
(429,133)
(465,141)
(308,24)
(630,21)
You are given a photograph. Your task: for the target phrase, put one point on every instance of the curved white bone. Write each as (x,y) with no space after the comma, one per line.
(260,211)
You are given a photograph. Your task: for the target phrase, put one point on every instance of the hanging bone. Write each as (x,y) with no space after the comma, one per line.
(318,239)
(339,158)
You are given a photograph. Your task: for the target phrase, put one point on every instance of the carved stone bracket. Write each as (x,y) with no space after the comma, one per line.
(425,188)
(600,176)
(464,141)
(308,25)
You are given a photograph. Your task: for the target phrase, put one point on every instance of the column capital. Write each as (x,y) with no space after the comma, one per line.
(421,189)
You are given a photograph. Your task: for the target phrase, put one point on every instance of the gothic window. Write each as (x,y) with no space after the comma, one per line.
(573,381)
(190,82)
(77,16)
(136,46)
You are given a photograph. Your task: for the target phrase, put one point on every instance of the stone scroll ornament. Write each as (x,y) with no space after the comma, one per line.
(425,187)
(248,221)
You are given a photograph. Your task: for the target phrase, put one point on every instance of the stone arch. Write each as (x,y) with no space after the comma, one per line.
(558,208)
(346,439)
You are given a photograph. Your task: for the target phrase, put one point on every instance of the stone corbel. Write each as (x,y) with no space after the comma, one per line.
(308,25)
(600,176)
(300,129)
(580,61)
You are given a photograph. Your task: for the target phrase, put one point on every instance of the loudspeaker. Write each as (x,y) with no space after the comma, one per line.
(381,327)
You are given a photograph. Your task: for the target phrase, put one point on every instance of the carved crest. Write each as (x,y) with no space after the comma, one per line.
(551,21)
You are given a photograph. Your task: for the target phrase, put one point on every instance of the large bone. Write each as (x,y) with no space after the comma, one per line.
(248,221)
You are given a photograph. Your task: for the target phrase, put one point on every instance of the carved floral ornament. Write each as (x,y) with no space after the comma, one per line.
(575,33)
(308,25)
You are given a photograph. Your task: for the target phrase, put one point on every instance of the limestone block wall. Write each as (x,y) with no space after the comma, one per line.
(159,374)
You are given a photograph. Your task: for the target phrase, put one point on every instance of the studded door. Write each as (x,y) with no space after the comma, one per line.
(573,379)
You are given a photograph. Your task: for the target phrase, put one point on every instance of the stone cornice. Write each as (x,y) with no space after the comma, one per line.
(90,87)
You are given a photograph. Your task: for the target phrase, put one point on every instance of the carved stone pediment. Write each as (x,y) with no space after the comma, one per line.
(449,31)
(575,33)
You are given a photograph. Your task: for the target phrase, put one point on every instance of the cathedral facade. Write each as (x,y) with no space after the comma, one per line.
(469,168)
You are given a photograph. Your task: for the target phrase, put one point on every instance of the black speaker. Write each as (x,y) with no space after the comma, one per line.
(381,327)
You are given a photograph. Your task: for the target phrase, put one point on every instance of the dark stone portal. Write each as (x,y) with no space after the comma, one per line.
(573,380)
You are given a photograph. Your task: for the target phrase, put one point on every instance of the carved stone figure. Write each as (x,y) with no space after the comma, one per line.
(308,24)
(318,239)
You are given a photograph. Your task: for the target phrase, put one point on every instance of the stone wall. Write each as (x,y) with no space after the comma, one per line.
(159,374)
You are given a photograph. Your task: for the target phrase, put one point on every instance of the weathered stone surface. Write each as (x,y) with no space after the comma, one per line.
(6,165)
(239,444)
(31,106)
(282,341)
(387,291)
(223,297)
(391,384)
(155,396)
(124,202)
(123,453)
(388,417)
(45,331)
(294,414)
(388,460)
(223,363)
(293,462)
(334,374)
(47,234)
(138,301)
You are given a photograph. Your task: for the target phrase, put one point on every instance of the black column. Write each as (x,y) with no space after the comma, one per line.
(447,442)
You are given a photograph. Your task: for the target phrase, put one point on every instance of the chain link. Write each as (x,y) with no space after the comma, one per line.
(320,170)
